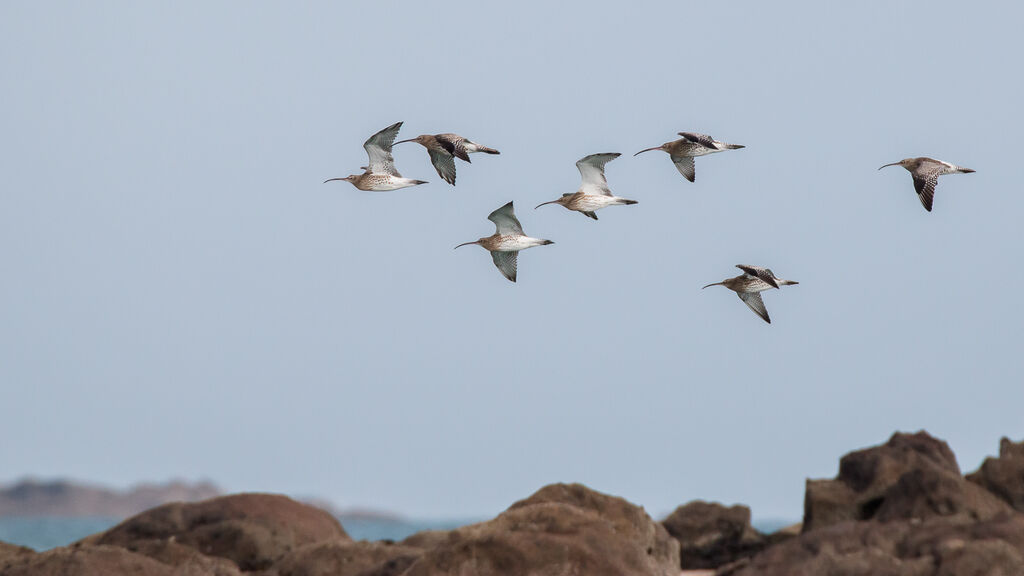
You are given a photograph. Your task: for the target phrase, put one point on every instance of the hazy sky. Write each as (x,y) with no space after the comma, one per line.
(182,296)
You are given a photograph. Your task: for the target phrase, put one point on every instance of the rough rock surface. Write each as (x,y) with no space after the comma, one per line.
(12,551)
(344,558)
(561,529)
(947,546)
(88,561)
(888,482)
(1004,476)
(251,530)
(711,535)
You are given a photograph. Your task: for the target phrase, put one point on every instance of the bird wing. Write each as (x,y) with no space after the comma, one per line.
(592,173)
(506,262)
(702,139)
(444,163)
(925,186)
(685,166)
(455,144)
(505,221)
(754,302)
(763,273)
(378,148)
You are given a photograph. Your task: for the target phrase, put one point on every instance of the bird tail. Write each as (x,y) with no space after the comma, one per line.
(417,182)
(486,150)
(964,170)
(732,146)
(627,202)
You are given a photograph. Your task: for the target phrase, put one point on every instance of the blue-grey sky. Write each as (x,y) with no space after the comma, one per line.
(182,295)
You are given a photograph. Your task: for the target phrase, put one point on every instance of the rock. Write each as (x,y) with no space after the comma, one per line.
(345,558)
(88,561)
(11,551)
(251,530)
(561,529)
(711,535)
(875,481)
(940,546)
(1004,476)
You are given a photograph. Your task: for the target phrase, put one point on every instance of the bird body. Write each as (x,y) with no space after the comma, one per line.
(691,145)
(507,241)
(749,285)
(594,193)
(380,174)
(925,172)
(444,148)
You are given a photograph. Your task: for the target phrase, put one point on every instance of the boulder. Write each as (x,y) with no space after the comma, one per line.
(711,535)
(939,546)
(345,558)
(1004,476)
(251,530)
(88,561)
(910,476)
(561,529)
(12,551)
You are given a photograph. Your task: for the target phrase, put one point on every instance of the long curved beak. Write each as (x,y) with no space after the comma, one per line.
(333,179)
(543,203)
(647,150)
(893,164)
(714,284)
(466,244)
(409,140)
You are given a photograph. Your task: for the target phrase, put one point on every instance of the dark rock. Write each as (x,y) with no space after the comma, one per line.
(251,530)
(872,482)
(1004,476)
(940,546)
(344,558)
(561,529)
(88,561)
(711,535)
(9,551)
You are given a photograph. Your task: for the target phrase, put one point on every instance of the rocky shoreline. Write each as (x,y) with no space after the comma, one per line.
(901,509)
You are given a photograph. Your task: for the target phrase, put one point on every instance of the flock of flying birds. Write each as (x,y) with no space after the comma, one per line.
(509,239)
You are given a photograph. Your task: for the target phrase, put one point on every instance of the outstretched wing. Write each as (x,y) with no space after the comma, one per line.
(754,302)
(763,273)
(378,148)
(592,172)
(925,186)
(444,163)
(505,221)
(702,139)
(506,262)
(685,166)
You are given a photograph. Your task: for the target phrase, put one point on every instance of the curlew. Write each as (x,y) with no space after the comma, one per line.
(593,193)
(507,240)
(380,175)
(749,285)
(445,148)
(691,145)
(926,172)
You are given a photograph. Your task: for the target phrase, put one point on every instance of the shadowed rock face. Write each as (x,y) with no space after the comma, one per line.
(711,535)
(561,529)
(1004,476)
(251,530)
(340,558)
(910,476)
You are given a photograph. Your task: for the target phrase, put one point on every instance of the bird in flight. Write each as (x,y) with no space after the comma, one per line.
(506,242)
(445,148)
(749,285)
(380,175)
(593,193)
(926,172)
(691,145)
